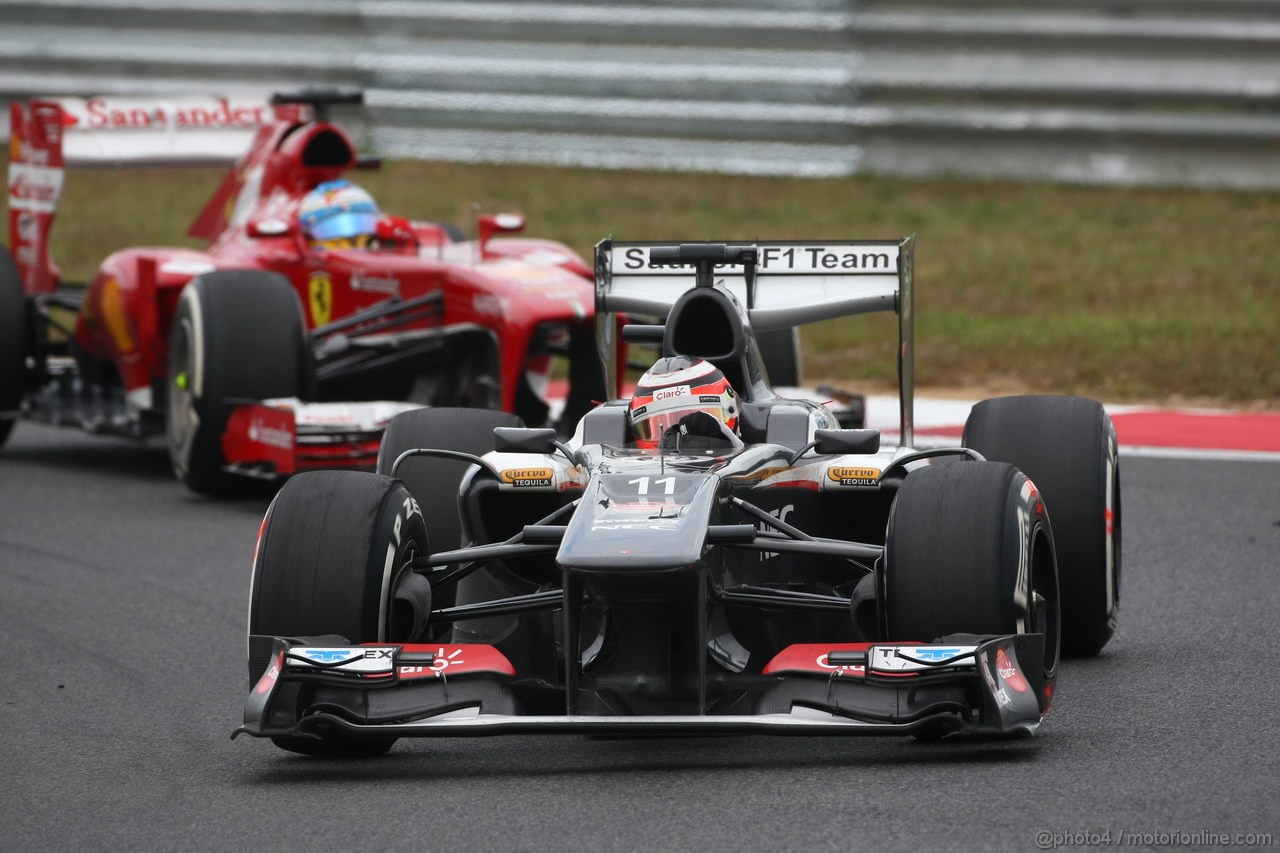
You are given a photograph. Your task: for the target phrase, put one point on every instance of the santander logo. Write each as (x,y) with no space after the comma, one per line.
(132,115)
(270,436)
(21,188)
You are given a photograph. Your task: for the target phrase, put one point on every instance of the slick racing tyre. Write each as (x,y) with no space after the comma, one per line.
(333,558)
(13,347)
(434,481)
(969,550)
(780,352)
(453,232)
(236,335)
(1067,446)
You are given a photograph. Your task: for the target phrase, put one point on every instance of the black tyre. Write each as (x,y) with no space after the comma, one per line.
(1067,446)
(780,352)
(13,341)
(333,559)
(453,232)
(236,334)
(434,482)
(969,550)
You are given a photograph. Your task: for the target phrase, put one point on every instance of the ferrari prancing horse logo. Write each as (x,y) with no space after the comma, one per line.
(320,291)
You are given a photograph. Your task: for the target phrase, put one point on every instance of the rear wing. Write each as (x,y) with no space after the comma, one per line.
(781,284)
(49,135)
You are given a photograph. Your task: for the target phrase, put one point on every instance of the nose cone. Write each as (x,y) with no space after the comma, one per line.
(630,522)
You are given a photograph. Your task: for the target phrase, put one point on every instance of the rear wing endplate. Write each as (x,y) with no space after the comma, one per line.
(781,283)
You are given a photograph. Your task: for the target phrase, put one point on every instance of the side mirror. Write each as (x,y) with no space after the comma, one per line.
(496,223)
(523,440)
(269,228)
(840,441)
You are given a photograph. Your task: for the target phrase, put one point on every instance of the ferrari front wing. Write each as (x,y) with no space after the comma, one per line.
(278,438)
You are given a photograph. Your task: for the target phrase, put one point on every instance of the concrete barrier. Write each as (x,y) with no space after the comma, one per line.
(1178,92)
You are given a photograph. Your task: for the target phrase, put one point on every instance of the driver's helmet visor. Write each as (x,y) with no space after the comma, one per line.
(356,221)
(360,241)
(650,429)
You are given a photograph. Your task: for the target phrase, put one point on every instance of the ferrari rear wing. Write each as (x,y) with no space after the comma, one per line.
(49,135)
(781,283)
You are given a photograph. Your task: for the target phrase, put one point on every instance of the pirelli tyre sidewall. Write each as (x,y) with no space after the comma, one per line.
(13,345)
(334,558)
(236,335)
(1067,446)
(969,550)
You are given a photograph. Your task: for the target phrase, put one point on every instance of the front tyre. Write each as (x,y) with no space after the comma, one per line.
(235,335)
(969,550)
(1067,446)
(13,346)
(335,558)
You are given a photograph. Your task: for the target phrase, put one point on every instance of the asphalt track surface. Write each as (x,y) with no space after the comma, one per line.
(122,616)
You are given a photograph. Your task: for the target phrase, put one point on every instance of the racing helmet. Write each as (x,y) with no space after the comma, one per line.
(339,215)
(672,390)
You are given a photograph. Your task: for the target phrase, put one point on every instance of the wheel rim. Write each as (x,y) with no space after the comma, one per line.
(1046,609)
(1112,532)
(395,630)
(184,420)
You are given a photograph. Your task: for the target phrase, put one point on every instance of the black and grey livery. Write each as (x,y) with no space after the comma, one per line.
(802,579)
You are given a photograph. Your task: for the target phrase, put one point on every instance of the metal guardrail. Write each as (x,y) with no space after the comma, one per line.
(1181,92)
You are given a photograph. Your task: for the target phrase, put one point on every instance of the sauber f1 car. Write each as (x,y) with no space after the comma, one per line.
(783,577)
(217,349)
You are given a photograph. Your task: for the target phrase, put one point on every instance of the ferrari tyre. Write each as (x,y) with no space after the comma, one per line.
(13,347)
(453,232)
(333,558)
(236,335)
(1067,446)
(969,550)
(780,352)
(434,481)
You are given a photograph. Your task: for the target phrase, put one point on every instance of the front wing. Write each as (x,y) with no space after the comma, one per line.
(278,438)
(383,690)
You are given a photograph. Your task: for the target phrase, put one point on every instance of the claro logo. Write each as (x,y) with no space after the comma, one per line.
(527,477)
(668,393)
(846,475)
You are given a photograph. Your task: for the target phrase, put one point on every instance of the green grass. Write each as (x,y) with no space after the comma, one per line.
(1122,294)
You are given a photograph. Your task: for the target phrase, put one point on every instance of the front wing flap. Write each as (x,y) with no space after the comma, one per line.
(983,687)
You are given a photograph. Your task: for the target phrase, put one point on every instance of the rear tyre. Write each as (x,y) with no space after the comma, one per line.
(780,352)
(969,550)
(236,334)
(13,343)
(1067,446)
(434,482)
(334,557)
(453,232)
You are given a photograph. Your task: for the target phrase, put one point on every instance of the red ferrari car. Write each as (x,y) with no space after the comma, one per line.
(218,349)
